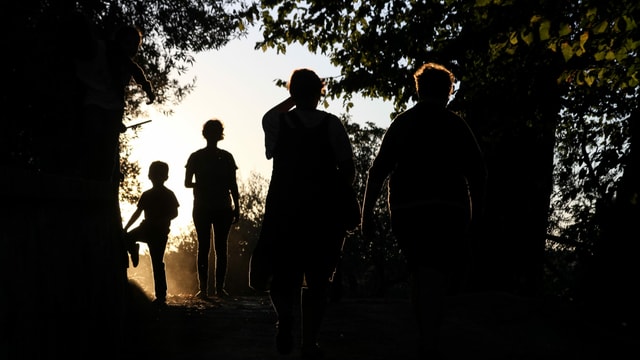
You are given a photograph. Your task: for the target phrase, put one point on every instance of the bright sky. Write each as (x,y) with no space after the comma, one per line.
(235,84)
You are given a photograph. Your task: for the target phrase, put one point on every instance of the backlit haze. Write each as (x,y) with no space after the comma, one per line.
(235,84)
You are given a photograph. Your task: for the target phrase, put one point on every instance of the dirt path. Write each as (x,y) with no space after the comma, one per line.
(491,326)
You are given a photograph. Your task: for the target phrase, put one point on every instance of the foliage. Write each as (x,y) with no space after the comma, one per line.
(46,136)
(253,192)
(369,268)
(545,84)
(130,187)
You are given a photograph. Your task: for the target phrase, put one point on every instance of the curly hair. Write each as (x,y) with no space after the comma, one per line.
(434,81)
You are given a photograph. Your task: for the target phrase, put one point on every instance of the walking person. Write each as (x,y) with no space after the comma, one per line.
(436,183)
(160,206)
(211,172)
(312,158)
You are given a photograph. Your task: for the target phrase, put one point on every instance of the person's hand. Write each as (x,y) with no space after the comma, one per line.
(151,96)
(236,215)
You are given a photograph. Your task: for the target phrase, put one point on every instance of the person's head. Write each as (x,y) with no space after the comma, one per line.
(158,172)
(434,81)
(129,39)
(213,130)
(306,88)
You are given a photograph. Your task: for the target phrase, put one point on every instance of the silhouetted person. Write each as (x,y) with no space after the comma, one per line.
(436,176)
(311,155)
(216,202)
(106,68)
(160,206)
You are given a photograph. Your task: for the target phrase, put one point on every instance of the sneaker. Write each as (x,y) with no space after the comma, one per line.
(311,352)
(222,293)
(135,254)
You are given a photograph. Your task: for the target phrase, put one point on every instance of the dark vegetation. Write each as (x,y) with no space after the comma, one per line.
(551,89)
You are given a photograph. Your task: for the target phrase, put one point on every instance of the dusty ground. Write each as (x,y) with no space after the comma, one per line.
(491,326)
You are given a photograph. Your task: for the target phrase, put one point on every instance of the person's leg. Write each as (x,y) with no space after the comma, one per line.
(428,290)
(221,228)
(131,239)
(320,264)
(313,304)
(157,245)
(284,292)
(202,224)
(431,255)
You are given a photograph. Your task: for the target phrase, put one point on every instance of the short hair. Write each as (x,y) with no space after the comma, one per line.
(159,170)
(434,80)
(305,85)
(213,129)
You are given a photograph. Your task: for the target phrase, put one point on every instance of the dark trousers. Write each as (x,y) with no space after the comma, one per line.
(157,242)
(203,221)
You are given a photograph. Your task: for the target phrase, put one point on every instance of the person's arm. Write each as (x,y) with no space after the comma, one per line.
(380,169)
(270,124)
(235,195)
(141,79)
(286,105)
(136,214)
(233,189)
(174,208)
(188,176)
(371,192)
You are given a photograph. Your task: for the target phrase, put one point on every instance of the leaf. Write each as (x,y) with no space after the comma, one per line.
(567,51)
(534,19)
(610,55)
(483,3)
(630,22)
(544,30)
(565,29)
(583,39)
(527,36)
(513,38)
(589,79)
(600,28)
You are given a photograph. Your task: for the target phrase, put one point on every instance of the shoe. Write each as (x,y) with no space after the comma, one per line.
(135,254)
(311,352)
(202,295)
(284,341)
(159,302)
(222,293)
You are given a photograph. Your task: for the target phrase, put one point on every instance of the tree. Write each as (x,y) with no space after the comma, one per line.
(522,67)
(368,268)
(44,137)
(74,223)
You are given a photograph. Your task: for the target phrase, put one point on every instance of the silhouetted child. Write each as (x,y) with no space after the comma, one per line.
(160,206)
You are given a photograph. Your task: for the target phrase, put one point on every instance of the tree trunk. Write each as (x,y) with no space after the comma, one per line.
(64,283)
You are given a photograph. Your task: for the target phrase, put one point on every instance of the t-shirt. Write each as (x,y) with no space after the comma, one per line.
(215,175)
(160,206)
